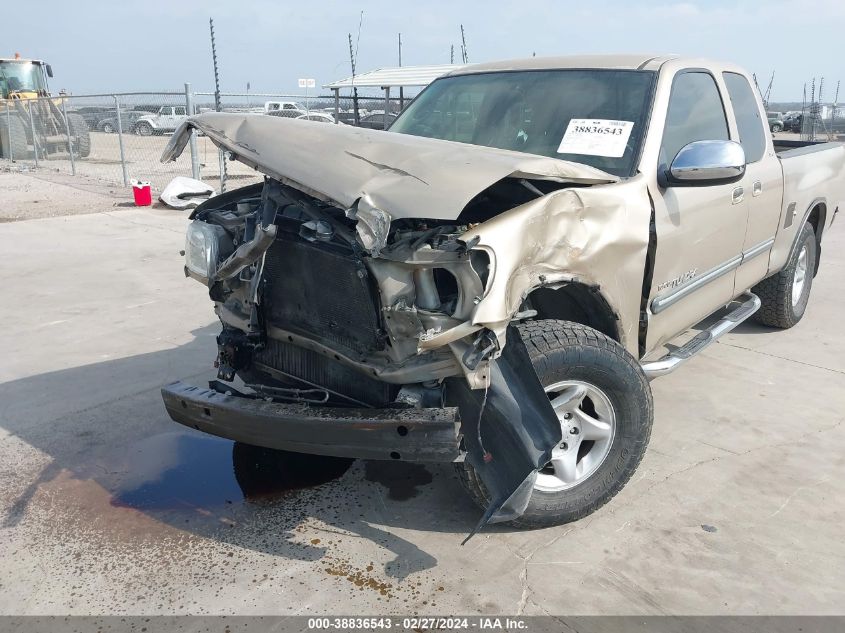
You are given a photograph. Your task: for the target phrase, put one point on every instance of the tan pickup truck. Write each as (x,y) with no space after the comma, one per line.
(493,281)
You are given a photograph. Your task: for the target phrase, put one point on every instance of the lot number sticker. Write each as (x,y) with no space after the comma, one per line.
(596,137)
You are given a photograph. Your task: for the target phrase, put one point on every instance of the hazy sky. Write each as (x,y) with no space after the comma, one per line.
(160,44)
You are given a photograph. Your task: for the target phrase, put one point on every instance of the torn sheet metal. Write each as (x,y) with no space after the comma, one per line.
(407,176)
(509,431)
(597,236)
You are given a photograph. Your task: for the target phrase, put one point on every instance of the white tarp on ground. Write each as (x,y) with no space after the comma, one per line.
(184,193)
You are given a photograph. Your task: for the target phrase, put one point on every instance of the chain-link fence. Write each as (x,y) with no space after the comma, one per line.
(117,138)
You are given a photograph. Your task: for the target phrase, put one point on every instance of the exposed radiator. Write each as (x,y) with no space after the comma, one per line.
(318,369)
(322,294)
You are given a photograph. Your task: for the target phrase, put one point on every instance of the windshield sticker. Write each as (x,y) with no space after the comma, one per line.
(596,137)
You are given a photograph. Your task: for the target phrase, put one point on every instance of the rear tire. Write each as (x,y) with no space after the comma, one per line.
(13,136)
(565,352)
(80,133)
(144,129)
(784,296)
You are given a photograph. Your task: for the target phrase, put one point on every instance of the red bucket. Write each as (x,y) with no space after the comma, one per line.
(143,193)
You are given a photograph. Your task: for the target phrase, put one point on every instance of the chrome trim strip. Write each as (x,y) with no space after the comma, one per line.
(759,249)
(659,304)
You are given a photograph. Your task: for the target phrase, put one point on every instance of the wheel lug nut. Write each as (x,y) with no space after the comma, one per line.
(564,446)
(567,416)
(574,430)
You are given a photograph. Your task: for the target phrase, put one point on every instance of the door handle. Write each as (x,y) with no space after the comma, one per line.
(736,196)
(757,188)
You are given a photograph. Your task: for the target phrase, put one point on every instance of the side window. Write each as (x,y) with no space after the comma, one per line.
(747,113)
(695,113)
(180,110)
(166,111)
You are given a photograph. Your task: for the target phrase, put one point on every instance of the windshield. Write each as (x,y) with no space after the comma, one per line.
(21,76)
(593,117)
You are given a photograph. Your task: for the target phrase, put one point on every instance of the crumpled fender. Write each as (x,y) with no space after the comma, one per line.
(597,236)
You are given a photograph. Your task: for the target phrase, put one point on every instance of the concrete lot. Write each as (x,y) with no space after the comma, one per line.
(106,506)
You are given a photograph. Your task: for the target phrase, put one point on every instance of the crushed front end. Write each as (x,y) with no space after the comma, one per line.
(360,306)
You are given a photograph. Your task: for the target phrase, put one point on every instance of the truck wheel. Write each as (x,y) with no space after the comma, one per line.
(80,133)
(13,136)
(784,296)
(777,127)
(144,129)
(107,127)
(605,411)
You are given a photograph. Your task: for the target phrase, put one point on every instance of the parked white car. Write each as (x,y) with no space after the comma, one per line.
(276,106)
(317,116)
(167,119)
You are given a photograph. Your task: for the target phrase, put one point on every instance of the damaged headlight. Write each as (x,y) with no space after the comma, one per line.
(373,225)
(202,250)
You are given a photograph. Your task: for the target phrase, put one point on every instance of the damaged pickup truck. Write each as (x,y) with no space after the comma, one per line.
(494,281)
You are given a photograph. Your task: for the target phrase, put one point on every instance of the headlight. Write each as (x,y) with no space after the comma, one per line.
(202,250)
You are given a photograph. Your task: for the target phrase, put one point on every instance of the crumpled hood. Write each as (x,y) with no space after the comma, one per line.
(407,176)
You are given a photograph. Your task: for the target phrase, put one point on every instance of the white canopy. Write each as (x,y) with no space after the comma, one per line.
(402,76)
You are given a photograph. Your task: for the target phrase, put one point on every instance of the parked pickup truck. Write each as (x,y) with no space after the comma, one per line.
(496,279)
(167,119)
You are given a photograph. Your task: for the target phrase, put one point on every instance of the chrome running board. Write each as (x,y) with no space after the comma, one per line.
(669,363)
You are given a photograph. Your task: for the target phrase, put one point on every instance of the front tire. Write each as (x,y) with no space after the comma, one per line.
(784,296)
(144,129)
(606,416)
(80,133)
(13,141)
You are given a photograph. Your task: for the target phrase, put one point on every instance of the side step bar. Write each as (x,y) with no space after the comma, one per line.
(674,359)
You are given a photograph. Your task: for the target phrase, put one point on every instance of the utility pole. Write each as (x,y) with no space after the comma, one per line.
(217,105)
(464,51)
(354,88)
(401,89)
(768,94)
(812,131)
(452,55)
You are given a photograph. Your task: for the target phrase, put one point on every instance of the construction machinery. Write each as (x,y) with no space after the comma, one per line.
(32,123)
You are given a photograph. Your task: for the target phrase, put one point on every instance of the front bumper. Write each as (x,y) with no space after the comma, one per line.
(419,435)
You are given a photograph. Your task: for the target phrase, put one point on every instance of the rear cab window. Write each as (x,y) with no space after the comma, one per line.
(752,136)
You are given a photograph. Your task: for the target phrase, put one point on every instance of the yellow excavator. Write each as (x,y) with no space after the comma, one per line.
(31,121)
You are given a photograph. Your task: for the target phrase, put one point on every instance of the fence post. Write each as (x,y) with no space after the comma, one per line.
(120,141)
(337,105)
(69,141)
(195,159)
(34,138)
(9,132)
(386,105)
(221,160)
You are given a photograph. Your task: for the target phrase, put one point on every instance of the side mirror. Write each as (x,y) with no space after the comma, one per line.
(49,70)
(706,163)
